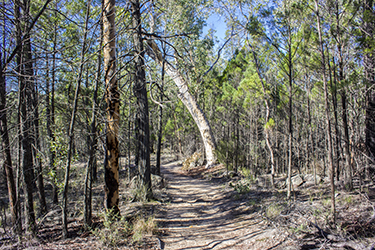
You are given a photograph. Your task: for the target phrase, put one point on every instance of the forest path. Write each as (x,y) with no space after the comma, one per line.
(205,215)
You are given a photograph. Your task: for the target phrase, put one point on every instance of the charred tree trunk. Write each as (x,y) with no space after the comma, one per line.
(113,109)
(142,102)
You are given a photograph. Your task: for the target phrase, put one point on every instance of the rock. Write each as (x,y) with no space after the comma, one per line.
(297,181)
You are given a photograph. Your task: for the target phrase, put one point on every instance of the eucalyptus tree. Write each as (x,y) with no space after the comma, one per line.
(113,108)
(180,26)
(140,92)
(277,25)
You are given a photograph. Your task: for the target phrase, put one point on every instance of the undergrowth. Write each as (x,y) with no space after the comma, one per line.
(120,231)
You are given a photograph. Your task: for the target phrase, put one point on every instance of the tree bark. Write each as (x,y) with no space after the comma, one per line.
(142,102)
(113,109)
(190,103)
(160,126)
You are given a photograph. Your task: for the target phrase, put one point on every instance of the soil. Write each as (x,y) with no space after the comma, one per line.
(212,209)
(203,214)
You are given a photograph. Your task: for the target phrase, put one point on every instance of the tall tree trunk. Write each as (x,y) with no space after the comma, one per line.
(93,141)
(336,142)
(369,67)
(142,102)
(5,148)
(113,108)
(51,117)
(328,120)
(290,122)
(25,76)
(71,127)
(348,174)
(160,126)
(37,150)
(190,103)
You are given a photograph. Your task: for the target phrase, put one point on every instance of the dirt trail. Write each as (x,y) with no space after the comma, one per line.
(205,215)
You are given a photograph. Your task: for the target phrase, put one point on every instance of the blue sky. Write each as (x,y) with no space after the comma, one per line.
(217,23)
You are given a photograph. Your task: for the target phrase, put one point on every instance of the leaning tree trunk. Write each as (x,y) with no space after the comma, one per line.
(142,102)
(113,109)
(190,103)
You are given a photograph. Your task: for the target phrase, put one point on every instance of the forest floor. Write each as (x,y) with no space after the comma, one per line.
(209,209)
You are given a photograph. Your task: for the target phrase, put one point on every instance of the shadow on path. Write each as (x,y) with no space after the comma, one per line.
(205,215)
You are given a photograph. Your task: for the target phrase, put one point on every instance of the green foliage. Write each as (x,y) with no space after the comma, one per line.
(270,124)
(60,149)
